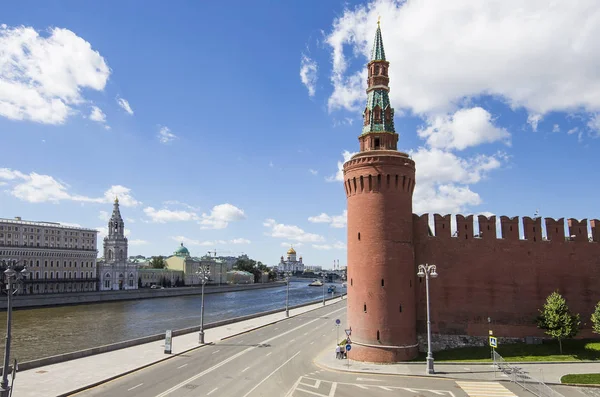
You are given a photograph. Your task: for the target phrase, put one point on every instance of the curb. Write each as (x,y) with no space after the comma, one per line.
(106,380)
(575,385)
(509,362)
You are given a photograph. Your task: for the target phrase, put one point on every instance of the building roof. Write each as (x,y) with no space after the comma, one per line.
(182,251)
(378,54)
(19,221)
(291,251)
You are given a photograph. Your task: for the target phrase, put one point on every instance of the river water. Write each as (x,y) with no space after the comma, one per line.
(44,332)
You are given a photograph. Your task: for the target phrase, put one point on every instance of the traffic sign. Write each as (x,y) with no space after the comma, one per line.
(493,341)
(337,321)
(348,332)
(348,347)
(348,341)
(491,333)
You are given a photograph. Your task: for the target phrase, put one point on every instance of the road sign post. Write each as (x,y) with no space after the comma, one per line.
(348,347)
(337,335)
(168,341)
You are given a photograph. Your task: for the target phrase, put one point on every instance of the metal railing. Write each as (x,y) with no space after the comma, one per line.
(524,379)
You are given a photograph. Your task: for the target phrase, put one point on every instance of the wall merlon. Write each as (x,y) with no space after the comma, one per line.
(487,227)
(421,225)
(442,225)
(464,227)
(578,230)
(595,226)
(555,229)
(509,227)
(532,228)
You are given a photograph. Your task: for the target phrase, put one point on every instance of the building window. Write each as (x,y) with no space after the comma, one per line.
(377,334)
(365,307)
(400,308)
(358,236)
(382,283)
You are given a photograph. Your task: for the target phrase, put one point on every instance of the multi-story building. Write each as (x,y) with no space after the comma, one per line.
(116,272)
(182,260)
(314,269)
(59,258)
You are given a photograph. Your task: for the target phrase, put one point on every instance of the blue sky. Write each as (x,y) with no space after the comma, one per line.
(225,127)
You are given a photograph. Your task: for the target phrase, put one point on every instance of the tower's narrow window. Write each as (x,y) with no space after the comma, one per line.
(396,181)
(377,143)
(377,334)
(382,283)
(351,283)
(534,230)
(362,184)
(488,227)
(511,228)
(378,181)
(388,180)
(365,307)
(358,236)
(400,308)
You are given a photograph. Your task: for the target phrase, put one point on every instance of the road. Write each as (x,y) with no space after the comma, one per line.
(277,360)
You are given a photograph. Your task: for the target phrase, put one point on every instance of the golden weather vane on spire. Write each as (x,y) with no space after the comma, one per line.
(378,20)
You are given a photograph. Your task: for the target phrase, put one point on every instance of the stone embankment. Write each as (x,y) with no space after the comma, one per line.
(78,298)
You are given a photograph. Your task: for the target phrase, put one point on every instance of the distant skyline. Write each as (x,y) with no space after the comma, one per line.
(226,127)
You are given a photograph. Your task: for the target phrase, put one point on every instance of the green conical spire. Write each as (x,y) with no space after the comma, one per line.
(378,54)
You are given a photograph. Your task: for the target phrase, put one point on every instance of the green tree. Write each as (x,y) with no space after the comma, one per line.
(556,319)
(157,262)
(596,319)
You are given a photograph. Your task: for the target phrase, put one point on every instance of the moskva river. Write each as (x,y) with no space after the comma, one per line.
(38,333)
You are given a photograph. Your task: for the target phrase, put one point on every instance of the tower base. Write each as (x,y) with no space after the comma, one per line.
(382,354)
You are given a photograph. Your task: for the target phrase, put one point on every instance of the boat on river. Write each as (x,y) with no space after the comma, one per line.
(316,283)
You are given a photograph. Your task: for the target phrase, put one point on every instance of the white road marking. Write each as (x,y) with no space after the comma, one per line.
(306,333)
(466,369)
(209,370)
(485,388)
(385,388)
(268,376)
(135,387)
(292,340)
(212,391)
(369,379)
(276,328)
(362,387)
(245,369)
(215,352)
(268,354)
(181,366)
(312,343)
(332,391)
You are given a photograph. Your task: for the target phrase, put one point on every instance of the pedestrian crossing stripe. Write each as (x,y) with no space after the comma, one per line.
(485,389)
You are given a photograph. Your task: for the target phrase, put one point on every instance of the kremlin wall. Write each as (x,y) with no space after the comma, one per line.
(501,277)
(504,277)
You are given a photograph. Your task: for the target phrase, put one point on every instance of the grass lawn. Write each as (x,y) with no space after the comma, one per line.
(582,379)
(573,350)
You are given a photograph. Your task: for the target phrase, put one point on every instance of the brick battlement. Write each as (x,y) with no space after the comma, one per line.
(576,231)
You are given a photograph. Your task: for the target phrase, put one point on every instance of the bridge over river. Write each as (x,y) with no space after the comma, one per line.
(46,332)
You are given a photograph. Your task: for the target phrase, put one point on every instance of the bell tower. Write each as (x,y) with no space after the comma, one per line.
(379,182)
(115,243)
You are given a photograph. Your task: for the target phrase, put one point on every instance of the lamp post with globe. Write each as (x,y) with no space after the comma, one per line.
(13,278)
(428,271)
(203,272)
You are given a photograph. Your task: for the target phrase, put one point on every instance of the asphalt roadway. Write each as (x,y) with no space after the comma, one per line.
(277,360)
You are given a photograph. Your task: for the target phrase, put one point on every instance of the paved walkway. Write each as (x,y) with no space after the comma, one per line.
(550,373)
(62,378)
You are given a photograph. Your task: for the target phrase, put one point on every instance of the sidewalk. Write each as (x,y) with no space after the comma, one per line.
(69,376)
(550,373)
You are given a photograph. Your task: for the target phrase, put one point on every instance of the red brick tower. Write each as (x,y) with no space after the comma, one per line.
(379,182)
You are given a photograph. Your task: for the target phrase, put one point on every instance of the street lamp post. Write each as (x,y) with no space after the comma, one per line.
(10,273)
(203,272)
(287,276)
(323,289)
(428,271)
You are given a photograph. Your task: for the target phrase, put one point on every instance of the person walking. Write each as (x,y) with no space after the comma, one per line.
(338,352)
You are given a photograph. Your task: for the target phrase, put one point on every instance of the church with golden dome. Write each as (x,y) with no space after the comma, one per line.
(291,264)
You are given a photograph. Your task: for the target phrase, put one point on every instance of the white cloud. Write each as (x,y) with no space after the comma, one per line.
(97,115)
(104,216)
(138,242)
(165,215)
(130,220)
(290,232)
(308,74)
(210,243)
(594,123)
(287,245)
(336,221)
(573,130)
(556,128)
(314,172)
(336,245)
(221,215)
(446,51)
(533,120)
(443,179)
(339,175)
(165,135)
(42,77)
(38,188)
(124,104)
(463,129)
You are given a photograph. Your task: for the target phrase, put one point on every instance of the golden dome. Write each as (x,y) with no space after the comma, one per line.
(291,251)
